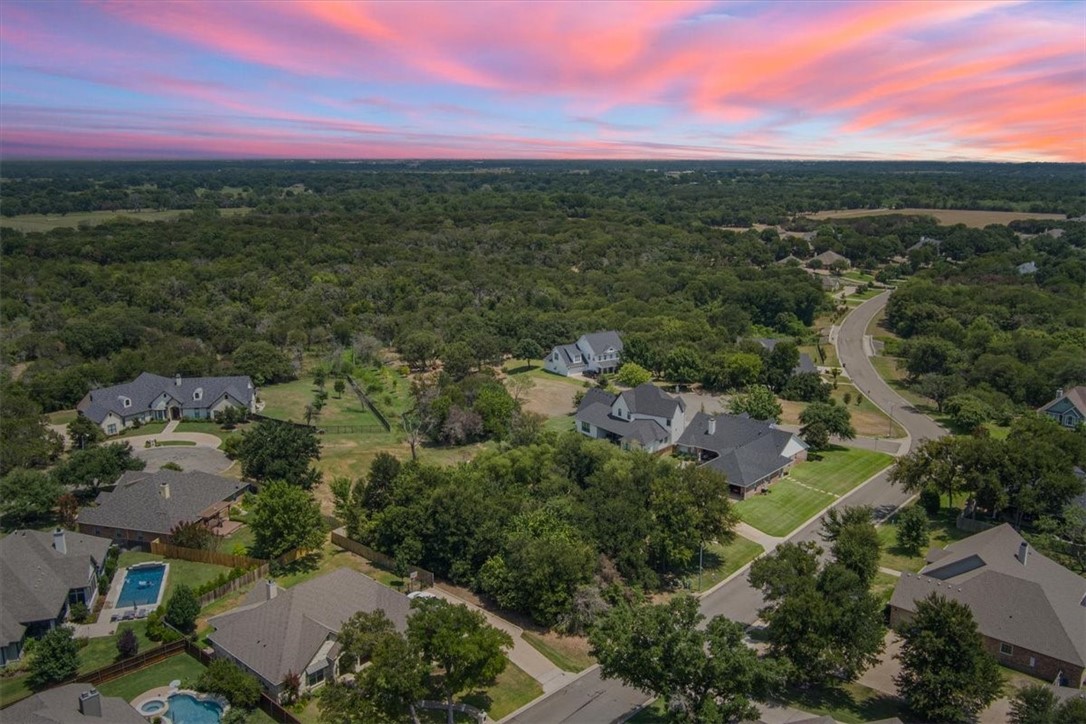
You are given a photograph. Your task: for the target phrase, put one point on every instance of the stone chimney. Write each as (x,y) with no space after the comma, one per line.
(90,703)
(59,543)
(712,426)
(1023,553)
(271,589)
(164,490)
(177,379)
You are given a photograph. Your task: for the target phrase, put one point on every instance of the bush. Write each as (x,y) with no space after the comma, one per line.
(930,501)
(182,609)
(157,630)
(225,678)
(127,644)
(78,612)
(103,584)
(56,658)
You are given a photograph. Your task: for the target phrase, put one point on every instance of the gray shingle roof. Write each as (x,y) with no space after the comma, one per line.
(648,399)
(1076,396)
(1040,606)
(747,450)
(60,705)
(137,502)
(926,241)
(282,635)
(600,341)
(829,256)
(35,577)
(570,352)
(145,389)
(599,414)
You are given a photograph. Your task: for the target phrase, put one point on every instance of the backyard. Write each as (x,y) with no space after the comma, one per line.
(189,572)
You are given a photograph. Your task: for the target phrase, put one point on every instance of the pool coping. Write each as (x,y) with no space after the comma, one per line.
(162,693)
(112,608)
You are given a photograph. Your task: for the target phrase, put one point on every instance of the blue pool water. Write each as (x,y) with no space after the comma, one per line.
(141,586)
(186,709)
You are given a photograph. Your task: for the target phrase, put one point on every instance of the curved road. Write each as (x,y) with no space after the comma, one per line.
(590,699)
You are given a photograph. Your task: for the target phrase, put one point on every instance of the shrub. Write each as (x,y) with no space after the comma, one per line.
(182,608)
(930,502)
(56,658)
(225,678)
(157,630)
(173,466)
(127,644)
(78,612)
(103,584)
(912,529)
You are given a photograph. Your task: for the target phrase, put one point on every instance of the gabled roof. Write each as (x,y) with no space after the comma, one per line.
(282,635)
(60,705)
(137,502)
(1039,605)
(805,364)
(829,257)
(1076,396)
(36,577)
(747,450)
(926,241)
(648,399)
(145,389)
(569,353)
(597,411)
(600,341)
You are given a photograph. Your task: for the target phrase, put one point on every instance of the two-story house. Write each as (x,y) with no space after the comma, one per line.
(41,575)
(1069,408)
(592,353)
(645,417)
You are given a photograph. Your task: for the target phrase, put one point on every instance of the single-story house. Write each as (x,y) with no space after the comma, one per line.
(1030,610)
(805,364)
(645,417)
(153,397)
(829,257)
(1069,408)
(596,352)
(72,704)
(751,453)
(143,506)
(277,632)
(41,575)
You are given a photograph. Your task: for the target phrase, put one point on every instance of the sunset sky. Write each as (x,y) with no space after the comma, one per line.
(866,80)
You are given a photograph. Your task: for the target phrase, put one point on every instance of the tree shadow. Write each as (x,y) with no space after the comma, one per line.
(836,700)
(305,564)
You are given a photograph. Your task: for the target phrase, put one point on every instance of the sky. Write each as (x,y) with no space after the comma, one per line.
(155,79)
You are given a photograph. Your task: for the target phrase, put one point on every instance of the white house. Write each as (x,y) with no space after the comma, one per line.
(597,352)
(645,417)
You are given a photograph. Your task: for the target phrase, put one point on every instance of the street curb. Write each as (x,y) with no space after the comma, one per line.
(544,697)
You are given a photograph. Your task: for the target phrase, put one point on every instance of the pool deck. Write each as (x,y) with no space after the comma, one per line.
(104,626)
(162,693)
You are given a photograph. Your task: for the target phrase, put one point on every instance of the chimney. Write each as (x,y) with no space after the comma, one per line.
(272,589)
(1023,553)
(59,543)
(90,703)
(164,490)
(177,379)
(712,426)
(1059,392)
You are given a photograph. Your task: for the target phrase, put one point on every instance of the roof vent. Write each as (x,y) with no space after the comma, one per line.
(712,426)
(1023,553)
(164,490)
(59,543)
(90,703)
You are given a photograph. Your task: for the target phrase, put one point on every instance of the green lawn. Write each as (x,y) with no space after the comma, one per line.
(13,688)
(516,367)
(559,424)
(208,428)
(189,572)
(61,417)
(102,651)
(182,667)
(567,658)
(784,507)
(849,703)
(148,428)
(287,402)
(942,532)
(841,469)
(512,690)
(652,714)
(723,560)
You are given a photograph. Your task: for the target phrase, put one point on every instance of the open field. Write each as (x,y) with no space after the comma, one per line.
(61,417)
(970,217)
(841,469)
(512,690)
(48,222)
(941,533)
(868,420)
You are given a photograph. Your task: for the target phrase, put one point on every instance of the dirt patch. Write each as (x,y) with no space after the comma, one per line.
(970,217)
(550,398)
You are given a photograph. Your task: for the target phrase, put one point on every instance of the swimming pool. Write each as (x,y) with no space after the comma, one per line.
(142,584)
(187,709)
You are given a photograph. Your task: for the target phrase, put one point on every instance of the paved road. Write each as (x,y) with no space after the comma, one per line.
(591,700)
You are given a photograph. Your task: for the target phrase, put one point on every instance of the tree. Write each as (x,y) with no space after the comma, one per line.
(829,416)
(946,675)
(192,534)
(340,387)
(912,529)
(127,644)
(682,365)
(285,517)
(98,465)
(632,374)
(806,387)
(55,659)
(378,490)
(520,386)
(934,463)
(857,548)
(226,678)
(1034,704)
(838,518)
(27,495)
(264,362)
(83,433)
(939,388)
(759,402)
(67,509)
(528,349)
(418,349)
(781,361)
(968,412)
(182,609)
(690,507)
(280,451)
(703,675)
(470,652)
(24,437)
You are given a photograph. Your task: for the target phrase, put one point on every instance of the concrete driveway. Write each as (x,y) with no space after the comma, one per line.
(202,455)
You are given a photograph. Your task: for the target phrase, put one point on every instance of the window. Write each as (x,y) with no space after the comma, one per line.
(111,429)
(585,427)
(1032,662)
(198,395)
(1005,648)
(98,531)
(314,678)
(126,402)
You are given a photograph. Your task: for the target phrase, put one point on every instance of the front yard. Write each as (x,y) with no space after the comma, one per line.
(723,560)
(941,533)
(841,469)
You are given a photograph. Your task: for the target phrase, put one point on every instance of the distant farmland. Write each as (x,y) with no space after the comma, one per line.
(47,222)
(969,217)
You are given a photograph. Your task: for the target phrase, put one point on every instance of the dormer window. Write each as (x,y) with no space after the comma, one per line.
(126,402)
(198,394)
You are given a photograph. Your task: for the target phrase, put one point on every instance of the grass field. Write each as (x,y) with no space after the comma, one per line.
(517,367)
(941,533)
(868,420)
(61,417)
(849,703)
(970,217)
(208,428)
(566,653)
(512,690)
(841,469)
(47,222)
(148,428)
(182,667)
(785,506)
(189,572)
(723,560)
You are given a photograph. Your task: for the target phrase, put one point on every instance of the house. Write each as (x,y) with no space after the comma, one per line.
(926,241)
(153,397)
(597,352)
(646,417)
(143,506)
(277,632)
(751,453)
(1069,408)
(72,704)
(829,257)
(805,364)
(42,574)
(1030,610)
(1030,267)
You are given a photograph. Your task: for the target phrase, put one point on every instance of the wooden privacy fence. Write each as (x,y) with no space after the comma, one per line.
(365,400)
(423,577)
(273,709)
(198,555)
(234,584)
(132,664)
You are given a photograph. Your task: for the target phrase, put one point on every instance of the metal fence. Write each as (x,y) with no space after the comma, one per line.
(423,577)
(365,400)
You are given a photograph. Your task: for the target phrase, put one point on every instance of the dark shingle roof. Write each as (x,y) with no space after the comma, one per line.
(60,705)
(599,414)
(648,399)
(145,389)
(1040,605)
(600,341)
(569,351)
(137,502)
(277,636)
(36,578)
(747,450)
